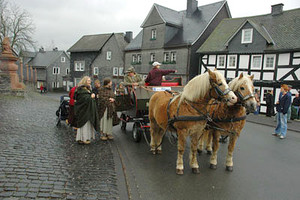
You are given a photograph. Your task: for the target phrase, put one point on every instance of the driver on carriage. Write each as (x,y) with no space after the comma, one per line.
(132,78)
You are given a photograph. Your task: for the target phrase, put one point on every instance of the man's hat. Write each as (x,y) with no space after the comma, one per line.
(130,69)
(155,64)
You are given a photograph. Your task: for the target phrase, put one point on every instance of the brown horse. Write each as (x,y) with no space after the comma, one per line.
(229,121)
(191,102)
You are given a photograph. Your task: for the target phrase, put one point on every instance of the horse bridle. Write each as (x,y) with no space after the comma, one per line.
(218,91)
(243,98)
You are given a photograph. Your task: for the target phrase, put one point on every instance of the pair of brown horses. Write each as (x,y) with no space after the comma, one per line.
(188,112)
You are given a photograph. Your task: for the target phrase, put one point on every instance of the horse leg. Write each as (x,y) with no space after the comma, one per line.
(208,143)
(153,133)
(201,142)
(214,156)
(193,153)
(181,147)
(231,145)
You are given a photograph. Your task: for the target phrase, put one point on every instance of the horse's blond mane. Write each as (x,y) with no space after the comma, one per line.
(235,83)
(196,88)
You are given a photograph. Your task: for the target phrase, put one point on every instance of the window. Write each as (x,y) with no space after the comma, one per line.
(134,58)
(96,70)
(55,84)
(232,61)
(256,62)
(221,61)
(115,71)
(247,35)
(153,34)
(167,57)
(269,62)
(173,57)
(152,57)
(56,70)
(139,58)
(76,80)
(63,59)
(79,65)
(67,71)
(121,71)
(108,55)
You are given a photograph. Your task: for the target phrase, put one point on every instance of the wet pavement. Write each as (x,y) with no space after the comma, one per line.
(40,161)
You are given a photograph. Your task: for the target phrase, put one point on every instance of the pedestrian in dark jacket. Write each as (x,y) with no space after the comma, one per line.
(282,107)
(270,103)
(154,77)
(295,107)
(106,105)
(85,111)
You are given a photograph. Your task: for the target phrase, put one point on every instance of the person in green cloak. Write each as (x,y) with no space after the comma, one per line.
(85,109)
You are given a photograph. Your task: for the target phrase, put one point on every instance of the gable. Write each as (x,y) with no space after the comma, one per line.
(153,18)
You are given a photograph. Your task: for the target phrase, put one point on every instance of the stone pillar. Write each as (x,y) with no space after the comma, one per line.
(27,73)
(21,69)
(31,74)
(35,72)
(8,65)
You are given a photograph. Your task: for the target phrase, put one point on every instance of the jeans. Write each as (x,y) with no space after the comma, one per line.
(281,124)
(289,113)
(257,110)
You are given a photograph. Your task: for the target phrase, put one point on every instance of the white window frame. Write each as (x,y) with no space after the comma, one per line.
(166,57)
(152,57)
(79,65)
(173,56)
(267,56)
(96,71)
(244,34)
(229,60)
(218,61)
(55,84)
(67,71)
(153,34)
(139,58)
(121,71)
(108,55)
(63,59)
(134,58)
(252,62)
(56,70)
(76,81)
(115,71)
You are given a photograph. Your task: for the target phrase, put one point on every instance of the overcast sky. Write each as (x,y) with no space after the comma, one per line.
(60,23)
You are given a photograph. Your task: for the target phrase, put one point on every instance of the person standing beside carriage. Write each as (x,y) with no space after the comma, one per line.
(106,106)
(154,77)
(282,107)
(85,111)
(132,78)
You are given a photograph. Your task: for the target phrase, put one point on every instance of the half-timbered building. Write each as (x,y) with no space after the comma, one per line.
(267,46)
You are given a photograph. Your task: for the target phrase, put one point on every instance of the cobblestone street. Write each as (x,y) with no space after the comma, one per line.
(40,161)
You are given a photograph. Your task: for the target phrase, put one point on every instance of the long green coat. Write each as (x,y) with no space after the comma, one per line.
(85,108)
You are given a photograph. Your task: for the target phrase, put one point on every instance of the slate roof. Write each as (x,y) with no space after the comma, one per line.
(280,31)
(90,43)
(190,28)
(45,59)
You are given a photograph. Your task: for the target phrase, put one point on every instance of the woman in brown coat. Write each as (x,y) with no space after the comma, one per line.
(106,109)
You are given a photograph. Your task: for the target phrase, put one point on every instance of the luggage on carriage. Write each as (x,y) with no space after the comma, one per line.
(133,104)
(63,109)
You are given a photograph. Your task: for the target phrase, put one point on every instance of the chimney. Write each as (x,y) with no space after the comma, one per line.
(128,36)
(192,6)
(55,49)
(41,50)
(277,9)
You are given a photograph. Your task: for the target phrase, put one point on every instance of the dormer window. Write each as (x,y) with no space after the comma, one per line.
(247,35)
(153,34)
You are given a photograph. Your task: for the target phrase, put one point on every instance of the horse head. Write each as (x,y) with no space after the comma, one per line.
(219,88)
(243,87)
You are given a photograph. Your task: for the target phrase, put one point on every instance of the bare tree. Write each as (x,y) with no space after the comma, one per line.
(17,24)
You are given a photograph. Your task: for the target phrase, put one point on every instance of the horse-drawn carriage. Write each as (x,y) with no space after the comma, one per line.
(133,103)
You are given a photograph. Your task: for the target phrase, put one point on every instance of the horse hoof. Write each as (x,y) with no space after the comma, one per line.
(208,152)
(212,166)
(159,152)
(179,171)
(229,168)
(195,170)
(199,151)
(153,152)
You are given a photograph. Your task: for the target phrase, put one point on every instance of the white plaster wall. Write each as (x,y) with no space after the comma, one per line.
(268,76)
(212,59)
(244,62)
(284,59)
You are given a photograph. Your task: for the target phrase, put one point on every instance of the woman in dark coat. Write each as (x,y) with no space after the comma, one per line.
(86,112)
(106,109)
(270,103)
